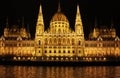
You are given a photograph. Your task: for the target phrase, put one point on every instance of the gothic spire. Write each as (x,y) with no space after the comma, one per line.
(78,17)
(78,22)
(40,23)
(40,17)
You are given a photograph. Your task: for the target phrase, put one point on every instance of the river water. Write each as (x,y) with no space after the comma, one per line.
(7,71)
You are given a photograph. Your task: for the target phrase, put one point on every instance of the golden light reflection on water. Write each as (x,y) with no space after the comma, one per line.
(59,72)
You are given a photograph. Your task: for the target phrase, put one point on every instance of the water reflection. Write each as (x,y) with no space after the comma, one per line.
(59,72)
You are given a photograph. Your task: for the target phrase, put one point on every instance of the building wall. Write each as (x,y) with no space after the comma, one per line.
(17,48)
(58,45)
(102,48)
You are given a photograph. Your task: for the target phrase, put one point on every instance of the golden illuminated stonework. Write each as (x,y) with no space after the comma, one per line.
(59,16)
(59,42)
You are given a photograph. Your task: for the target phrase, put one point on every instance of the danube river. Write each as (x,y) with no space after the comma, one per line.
(59,72)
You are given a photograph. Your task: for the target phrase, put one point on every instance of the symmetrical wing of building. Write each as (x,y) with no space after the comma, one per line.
(59,40)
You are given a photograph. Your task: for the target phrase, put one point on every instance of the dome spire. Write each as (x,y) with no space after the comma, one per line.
(59,9)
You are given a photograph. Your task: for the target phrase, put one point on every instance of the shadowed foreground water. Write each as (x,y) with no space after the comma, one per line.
(59,72)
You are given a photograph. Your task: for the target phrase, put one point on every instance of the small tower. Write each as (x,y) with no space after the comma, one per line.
(95,30)
(40,23)
(28,32)
(79,32)
(112,30)
(6,29)
(23,32)
(78,23)
(39,33)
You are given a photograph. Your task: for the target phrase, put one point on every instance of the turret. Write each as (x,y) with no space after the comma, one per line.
(23,32)
(28,32)
(112,30)
(79,32)
(95,30)
(39,33)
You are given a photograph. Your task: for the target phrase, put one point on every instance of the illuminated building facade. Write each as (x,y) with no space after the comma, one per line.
(59,40)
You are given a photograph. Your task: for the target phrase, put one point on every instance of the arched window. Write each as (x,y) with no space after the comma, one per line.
(54,51)
(79,43)
(50,51)
(63,51)
(39,42)
(73,51)
(45,51)
(59,51)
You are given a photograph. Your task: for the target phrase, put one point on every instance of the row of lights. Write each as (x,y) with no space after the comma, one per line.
(62,59)
(95,59)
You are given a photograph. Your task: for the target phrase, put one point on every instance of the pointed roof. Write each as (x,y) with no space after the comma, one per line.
(40,17)
(78,10)
(78,22)
(78,17)
(40,9)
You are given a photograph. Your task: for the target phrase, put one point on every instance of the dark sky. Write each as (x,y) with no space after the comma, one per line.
(103,10)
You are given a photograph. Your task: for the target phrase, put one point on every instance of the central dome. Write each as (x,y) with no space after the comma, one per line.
(59,16)
(59,23)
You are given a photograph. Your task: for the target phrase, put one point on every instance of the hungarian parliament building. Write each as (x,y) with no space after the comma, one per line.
(59,40)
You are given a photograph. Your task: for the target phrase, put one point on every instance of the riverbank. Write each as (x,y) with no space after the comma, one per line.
(55,63)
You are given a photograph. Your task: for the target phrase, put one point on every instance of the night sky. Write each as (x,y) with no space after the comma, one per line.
(103,10)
